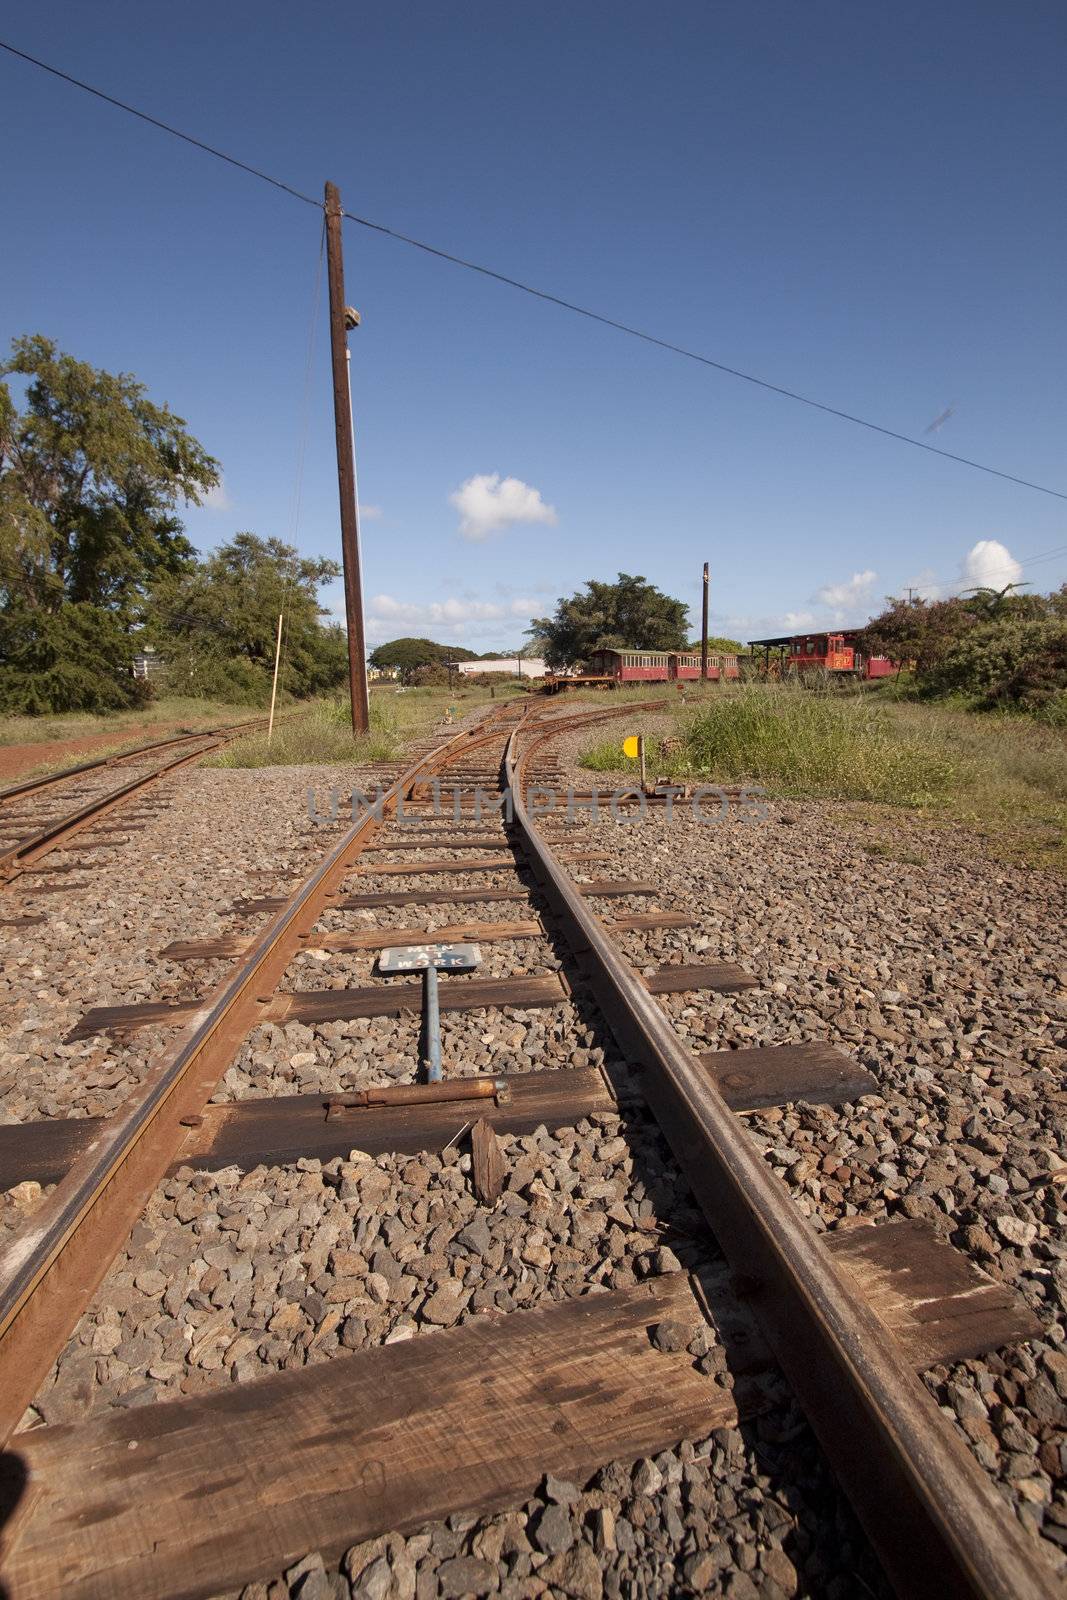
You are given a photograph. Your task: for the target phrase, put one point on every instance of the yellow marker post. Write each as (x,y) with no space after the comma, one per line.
(634,747)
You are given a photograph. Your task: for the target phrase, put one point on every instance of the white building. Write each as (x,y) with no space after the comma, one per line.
(518,666)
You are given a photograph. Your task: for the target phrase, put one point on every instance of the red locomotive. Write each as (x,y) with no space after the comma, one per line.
(830,652)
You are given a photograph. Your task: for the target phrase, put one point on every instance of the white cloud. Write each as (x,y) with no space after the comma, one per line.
(854,591)
(990,565)
(370,513)
(767,626)
(458,618)
(487,503)
(217,499)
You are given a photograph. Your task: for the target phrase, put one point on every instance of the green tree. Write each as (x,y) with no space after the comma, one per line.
(628,614)
(993,646)
(76,659)
(719,642)
(918,630)
(406,656)
(1013,662)
(216,627)
(92,473)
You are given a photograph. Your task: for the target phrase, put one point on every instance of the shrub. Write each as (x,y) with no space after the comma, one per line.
(207,673)
(1013,661)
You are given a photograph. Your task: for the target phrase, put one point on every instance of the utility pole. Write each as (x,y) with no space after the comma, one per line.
(704,631)
(342,318)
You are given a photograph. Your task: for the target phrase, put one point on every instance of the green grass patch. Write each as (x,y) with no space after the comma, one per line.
(1002,775)
(607,756)
(803,743)
(128,726)
(320,732)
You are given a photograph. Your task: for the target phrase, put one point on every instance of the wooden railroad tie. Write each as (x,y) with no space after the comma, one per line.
(234,945)
(283,1128)
(387,1000)
(599,888)
(479,864)
(435,842)
(462,1423)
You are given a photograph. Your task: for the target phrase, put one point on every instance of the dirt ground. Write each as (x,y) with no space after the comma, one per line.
(18,760)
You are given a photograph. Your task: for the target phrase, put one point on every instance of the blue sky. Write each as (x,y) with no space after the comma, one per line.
(860,202)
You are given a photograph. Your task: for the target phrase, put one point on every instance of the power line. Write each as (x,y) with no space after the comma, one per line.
(705,361)
(164,127)
(538,294)
(1024,562)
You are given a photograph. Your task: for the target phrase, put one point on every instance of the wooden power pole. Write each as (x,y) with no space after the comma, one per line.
(704,631)
(341,319)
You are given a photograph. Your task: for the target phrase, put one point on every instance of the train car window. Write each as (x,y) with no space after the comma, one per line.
(811,647)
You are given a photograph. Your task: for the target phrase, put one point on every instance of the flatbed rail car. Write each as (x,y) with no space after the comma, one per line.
(828,652)
(608,668)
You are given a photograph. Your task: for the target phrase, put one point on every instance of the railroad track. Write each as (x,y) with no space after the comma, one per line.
(390,1438)
(50,813)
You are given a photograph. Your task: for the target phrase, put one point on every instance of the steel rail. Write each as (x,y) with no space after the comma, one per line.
(17,857)
(931,1512)
(33,785)
(50,1270)
(29,849)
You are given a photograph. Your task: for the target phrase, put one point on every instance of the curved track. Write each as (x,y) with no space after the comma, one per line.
(28,835)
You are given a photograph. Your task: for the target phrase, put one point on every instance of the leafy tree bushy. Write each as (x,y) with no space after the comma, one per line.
(993,647)
(1020,661)
(407,656)
(215,626)
(94,562)
(76,659)
(629,614)
(91,475)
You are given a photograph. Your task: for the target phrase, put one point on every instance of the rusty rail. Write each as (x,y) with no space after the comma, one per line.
(929,1509)
(50,1271)
(17,857)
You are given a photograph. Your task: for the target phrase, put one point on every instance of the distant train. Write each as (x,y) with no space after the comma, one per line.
(828,652)
(612,667)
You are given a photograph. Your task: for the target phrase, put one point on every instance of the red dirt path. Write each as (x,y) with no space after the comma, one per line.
(18,759)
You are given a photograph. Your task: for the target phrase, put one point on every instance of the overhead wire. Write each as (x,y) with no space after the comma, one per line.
(539,294)
(1025,562)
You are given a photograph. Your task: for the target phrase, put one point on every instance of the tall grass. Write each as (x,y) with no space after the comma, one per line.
(1002,775)
(799,741)
(320,733)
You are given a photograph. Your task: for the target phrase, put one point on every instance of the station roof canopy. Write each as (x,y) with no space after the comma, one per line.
(806,633)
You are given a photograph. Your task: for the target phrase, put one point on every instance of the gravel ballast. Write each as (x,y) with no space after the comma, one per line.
(944,980)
